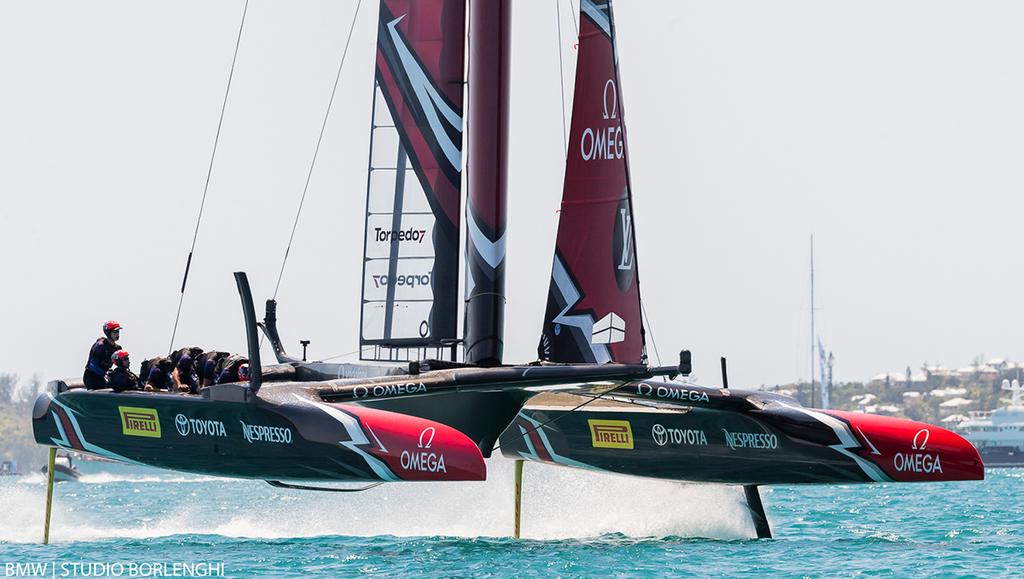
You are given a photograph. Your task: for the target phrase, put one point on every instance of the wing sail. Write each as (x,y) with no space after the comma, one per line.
(593,309)
(411,254)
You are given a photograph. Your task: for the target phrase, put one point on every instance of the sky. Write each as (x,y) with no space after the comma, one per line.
(892,132)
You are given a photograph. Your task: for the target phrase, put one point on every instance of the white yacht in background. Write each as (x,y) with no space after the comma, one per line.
(999,434)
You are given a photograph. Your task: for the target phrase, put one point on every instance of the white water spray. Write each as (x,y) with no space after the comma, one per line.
(558,503)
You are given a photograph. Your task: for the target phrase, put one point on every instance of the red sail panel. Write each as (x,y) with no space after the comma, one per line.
(411,258)
(593,309)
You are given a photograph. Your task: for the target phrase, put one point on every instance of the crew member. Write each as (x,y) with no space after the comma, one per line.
(192,351)
(156,374)
(231,373)
(120,377)
(184,375)
(100,356)
(210,365)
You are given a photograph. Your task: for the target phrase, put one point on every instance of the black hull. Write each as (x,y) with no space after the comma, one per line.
(775,444)
(283,435)
(685,446)
(427,425)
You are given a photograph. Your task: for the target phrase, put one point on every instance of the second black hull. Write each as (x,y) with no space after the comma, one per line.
(777,444)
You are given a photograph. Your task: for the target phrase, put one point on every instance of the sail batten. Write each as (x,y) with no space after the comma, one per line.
(411,237)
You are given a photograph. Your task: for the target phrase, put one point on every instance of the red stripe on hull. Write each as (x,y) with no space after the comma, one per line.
(416,449)
(909,451)
(68,428)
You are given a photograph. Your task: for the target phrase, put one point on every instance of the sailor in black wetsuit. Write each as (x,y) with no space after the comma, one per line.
(233,370)
(210,364)
(192,351)
(157,374)
(100,356)
(185,375)
(120,378)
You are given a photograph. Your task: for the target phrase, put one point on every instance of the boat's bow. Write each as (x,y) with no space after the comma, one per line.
(908,451)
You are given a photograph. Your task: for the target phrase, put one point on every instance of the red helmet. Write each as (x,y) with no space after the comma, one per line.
(243,371)
(111,326)
(119,356)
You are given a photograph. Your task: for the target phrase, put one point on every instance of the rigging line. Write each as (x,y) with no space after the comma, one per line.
(209,172)
(561,76)
(316,151)
(650,332)
(567,412)
(572,16)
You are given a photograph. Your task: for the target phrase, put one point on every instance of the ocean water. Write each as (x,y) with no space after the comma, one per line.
(119,519)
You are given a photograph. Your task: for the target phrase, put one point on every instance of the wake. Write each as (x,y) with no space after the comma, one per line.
(558,503)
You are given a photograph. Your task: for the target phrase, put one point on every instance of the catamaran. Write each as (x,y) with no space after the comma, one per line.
(418,411)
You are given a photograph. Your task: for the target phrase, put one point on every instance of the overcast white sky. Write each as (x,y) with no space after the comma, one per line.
(891,130)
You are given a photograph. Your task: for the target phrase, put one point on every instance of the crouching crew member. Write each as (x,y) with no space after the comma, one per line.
(210,365)
(185,377)
(232,371)
(156,374)
(100,356)
(120,378)
(192,351)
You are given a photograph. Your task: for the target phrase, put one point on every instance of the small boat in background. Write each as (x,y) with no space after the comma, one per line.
(63,469)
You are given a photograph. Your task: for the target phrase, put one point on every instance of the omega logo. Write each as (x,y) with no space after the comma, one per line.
(605,143)
(610,84)
(425,441)
(920,442)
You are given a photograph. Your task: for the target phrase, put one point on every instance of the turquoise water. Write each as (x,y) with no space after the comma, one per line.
(574,524)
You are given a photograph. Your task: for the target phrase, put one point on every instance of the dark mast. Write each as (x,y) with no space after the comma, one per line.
(490,52)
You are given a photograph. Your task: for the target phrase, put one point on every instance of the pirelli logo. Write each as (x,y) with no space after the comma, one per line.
(611,433)
(139,422)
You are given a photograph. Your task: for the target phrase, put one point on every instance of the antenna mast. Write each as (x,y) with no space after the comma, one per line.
(813,349)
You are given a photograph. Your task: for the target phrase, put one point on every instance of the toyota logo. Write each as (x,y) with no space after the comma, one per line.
(659,434)
(181,423)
